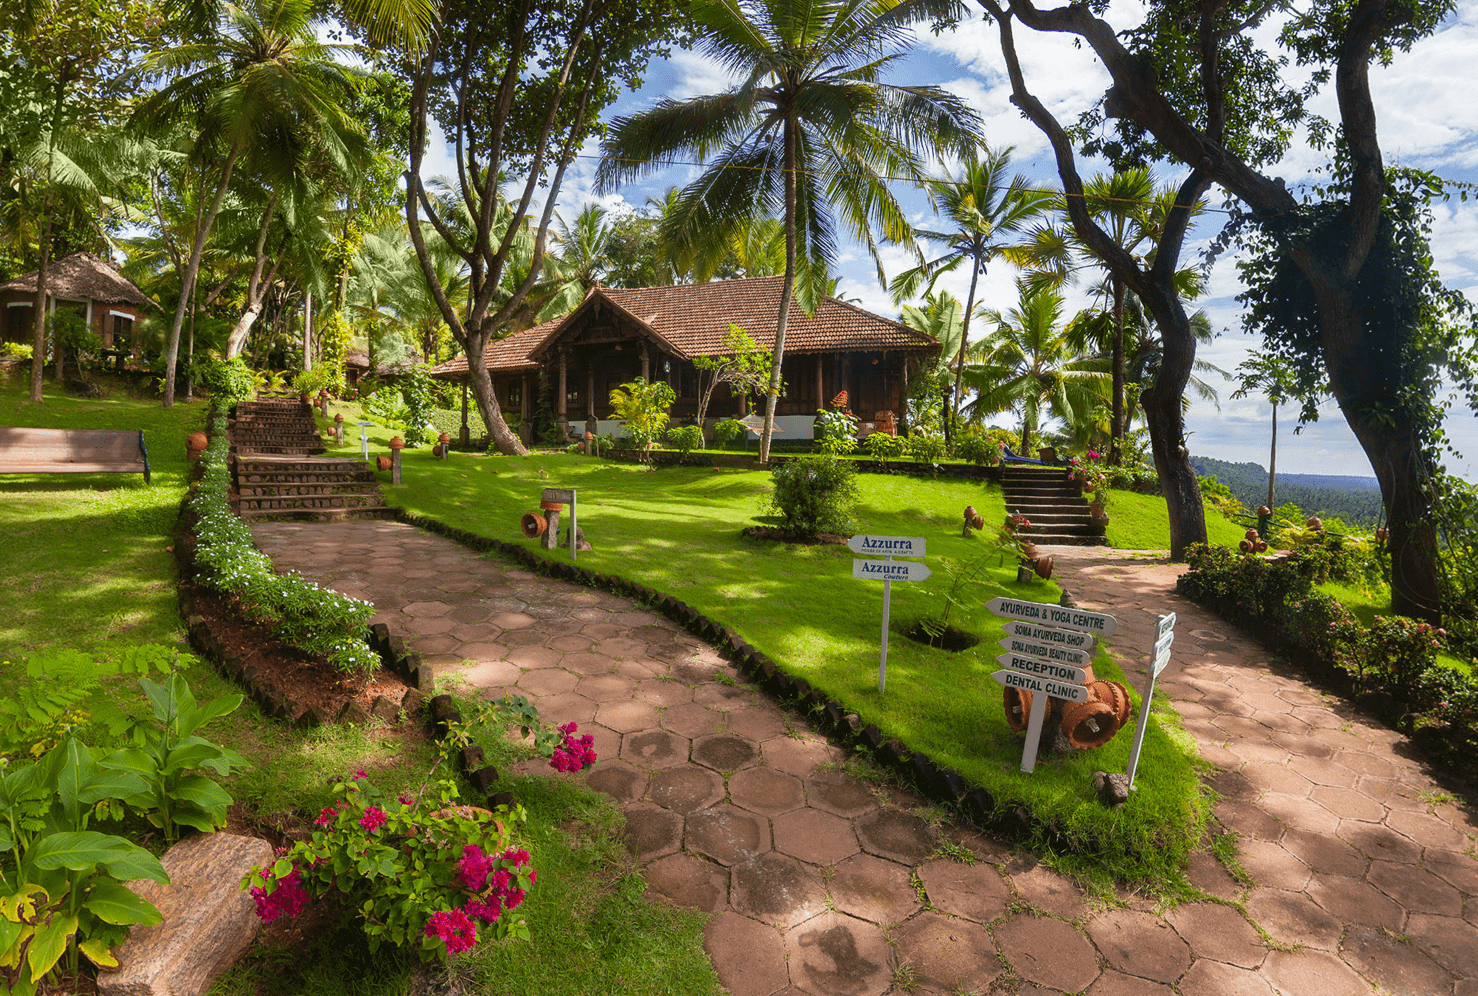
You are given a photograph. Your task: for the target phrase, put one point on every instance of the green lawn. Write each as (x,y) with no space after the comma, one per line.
(88,568)
(1137,522)
(678,530)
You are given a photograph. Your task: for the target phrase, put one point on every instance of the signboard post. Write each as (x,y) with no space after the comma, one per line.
(567,496)
(1049,649)
(1166,632)
(887,570)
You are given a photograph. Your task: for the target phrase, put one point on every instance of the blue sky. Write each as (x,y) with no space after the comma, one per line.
(1428,118)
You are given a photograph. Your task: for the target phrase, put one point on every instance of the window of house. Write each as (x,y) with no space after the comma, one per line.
(515,394)
(122,332)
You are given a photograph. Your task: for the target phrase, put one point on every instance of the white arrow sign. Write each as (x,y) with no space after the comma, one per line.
(1162,645)
(1162,662)
(1049,634)
(887,546)
(1167,623)
(1044,686)
(1047,651)
(1053,615)
(1046,669)
(889,570)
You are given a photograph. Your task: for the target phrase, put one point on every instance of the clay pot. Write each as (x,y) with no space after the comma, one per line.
(1089,724)
(306,398)
(533,525)
(1382,534)
(1115,695)
(1097,510)
(1029,550)
(1315,523)
(552,506)
(970,513)
(1264,510)
(1245,546)
(1044,567)
(195,444)
(1260,546)
(396,443)
(1251,536)
(443,439)
(978,522)
(382,462)
(1018,705)
(339,417)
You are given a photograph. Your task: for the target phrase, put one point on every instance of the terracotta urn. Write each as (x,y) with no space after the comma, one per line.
(195,444)
(443,439)
(396,443)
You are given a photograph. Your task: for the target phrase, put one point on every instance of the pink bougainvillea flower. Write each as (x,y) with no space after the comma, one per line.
(289,898)
(454,929)
(406,799)
(487,912)
(326,816)
(373,818)
(473,868)
(360,774)
(519,857)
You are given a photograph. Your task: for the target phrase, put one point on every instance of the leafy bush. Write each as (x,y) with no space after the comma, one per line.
(925,447)
(685,439)
(1393,655)
(15,350)
(882,447)
(420,406)
(836,431)
(229,381)
(312,381)
(642,407)
(815,494)
(64,894)
(728,431)
(70,331)
(318,621)
(978,448)
(387,408)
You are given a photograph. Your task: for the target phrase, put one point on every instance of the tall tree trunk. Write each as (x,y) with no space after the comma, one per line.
(256,288)
(307,330)
(487,399)
(787,290)
(1116,424)
(975,268)
(38,338)
(1273,455)
(190,348)
(192,272)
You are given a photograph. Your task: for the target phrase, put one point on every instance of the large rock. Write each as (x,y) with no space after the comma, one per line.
(209,921)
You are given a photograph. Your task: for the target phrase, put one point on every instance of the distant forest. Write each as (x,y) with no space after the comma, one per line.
(1354,499)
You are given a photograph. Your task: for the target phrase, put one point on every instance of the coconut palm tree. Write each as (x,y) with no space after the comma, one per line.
(983,208)
(1128,206)
(1027,363)
(809,133)
(261,82)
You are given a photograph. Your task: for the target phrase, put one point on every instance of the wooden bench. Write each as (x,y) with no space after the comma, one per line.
(25,450)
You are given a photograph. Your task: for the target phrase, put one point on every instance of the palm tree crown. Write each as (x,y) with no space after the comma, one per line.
(810,132)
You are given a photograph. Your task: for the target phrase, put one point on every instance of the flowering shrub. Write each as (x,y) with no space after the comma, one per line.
(1089,474)
(573,755)
(422,872)
(316,620)
(1008,538)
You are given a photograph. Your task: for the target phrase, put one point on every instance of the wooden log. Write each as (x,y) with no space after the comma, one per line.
(209,921)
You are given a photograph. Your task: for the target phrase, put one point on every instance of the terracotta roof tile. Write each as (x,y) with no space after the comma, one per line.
(693,319)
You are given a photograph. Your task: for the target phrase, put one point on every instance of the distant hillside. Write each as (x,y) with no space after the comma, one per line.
(1354,499)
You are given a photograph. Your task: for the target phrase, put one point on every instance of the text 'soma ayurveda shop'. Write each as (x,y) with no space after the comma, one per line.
(617,335)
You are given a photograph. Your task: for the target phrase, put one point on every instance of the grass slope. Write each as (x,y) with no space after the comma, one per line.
(1137,522)
(677,530)
(88,568)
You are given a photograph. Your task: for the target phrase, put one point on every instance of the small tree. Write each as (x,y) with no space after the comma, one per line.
(745,368)
(1274,376)
(642,408)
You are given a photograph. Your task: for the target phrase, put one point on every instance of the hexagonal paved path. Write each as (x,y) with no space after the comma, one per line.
(824,884)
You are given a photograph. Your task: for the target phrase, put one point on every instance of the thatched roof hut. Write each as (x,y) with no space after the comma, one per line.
(81,277)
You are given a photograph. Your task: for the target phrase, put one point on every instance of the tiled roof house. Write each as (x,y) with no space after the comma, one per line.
(619,334)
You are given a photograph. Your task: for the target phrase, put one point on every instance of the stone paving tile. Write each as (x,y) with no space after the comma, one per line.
(733,808)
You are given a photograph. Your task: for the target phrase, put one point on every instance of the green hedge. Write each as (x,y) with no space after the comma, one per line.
(1392,664)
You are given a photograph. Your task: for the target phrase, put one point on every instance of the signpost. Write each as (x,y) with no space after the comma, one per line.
(1047,643)
(1046,651)
(1100,623)
(566,496)
(364,438)
(1166,631)
(887,571)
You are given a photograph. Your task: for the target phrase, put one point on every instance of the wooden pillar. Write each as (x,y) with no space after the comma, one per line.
(887,402)
(523,406)
(589,392)
(564,394)
(820,380)
(646,362)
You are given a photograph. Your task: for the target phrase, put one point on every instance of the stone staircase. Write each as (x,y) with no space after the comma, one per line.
(1057,511)
(280,476)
